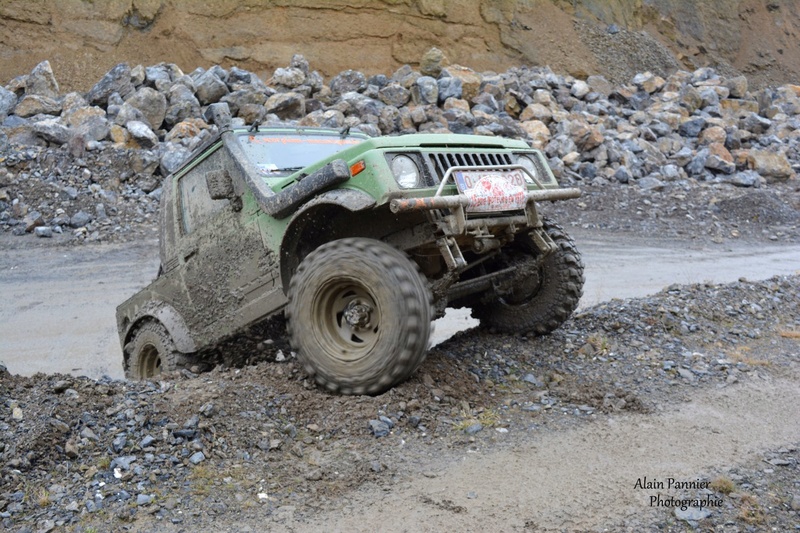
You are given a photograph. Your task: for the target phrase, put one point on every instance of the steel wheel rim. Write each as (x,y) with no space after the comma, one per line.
(347,319)
(149,361)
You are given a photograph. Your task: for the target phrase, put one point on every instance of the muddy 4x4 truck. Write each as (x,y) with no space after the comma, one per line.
(360,242)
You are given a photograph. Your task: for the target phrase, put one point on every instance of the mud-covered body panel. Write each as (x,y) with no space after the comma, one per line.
(235,226)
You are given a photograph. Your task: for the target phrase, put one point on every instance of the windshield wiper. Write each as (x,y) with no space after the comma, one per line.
(287,169)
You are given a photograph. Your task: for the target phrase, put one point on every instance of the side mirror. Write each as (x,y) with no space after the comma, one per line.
(220,185)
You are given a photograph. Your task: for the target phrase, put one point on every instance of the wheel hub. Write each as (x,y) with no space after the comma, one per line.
(523,284)
(357,314)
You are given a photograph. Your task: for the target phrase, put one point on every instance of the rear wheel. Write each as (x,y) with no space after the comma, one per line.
(543,300)
(151,352)
(359,316)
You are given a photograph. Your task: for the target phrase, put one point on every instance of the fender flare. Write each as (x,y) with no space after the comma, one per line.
(173,322)
(348,199)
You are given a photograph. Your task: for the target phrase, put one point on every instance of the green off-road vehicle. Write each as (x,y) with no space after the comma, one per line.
(360,242)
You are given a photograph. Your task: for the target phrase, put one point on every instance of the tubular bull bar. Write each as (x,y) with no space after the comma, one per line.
(400,205)
(456,223)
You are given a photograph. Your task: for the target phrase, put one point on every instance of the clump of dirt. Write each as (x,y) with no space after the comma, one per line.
(602,398)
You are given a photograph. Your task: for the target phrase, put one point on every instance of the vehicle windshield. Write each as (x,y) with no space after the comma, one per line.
(277,154)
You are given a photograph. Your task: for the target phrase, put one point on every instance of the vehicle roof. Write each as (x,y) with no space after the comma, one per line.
(410,140)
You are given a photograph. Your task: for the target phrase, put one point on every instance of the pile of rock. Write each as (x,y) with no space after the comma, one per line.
(138,124)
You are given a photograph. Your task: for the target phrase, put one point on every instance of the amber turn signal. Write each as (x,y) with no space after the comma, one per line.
(356,168)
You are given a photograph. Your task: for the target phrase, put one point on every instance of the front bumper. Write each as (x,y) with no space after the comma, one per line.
(399,205)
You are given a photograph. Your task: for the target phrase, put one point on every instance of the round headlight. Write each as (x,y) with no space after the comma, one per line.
(528,164)
(405,171)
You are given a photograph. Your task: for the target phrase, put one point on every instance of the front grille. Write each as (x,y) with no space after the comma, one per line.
(441,162)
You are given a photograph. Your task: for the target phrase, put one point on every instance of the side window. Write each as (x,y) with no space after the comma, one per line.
(196,203)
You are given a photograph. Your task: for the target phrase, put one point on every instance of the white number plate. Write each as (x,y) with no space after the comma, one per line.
(492,191)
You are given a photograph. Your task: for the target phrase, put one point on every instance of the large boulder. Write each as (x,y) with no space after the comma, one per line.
(395,95)
(579,89)
(52,130)
(142,134)
(537,112)
(182,104)
(289,77)
(600,85)
(348,81)
(158,76)
(94,128)
(586,137)
(8,102)
(34,104)
(449,87)
(41,81)
(719,158)
(737,86)
(773,166)
(117,80)
(470,80)
(127,113)
(755,123)
(537,131)
(425,91)
(432,62)
(238,99)
(151,103)
(737,107)
(287,106)
(210,88)
(186,129)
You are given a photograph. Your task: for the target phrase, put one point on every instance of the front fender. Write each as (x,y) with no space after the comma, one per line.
(350,199)
(309,224)
(172,321)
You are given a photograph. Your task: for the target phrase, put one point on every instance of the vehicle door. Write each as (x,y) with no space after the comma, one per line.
(225,268)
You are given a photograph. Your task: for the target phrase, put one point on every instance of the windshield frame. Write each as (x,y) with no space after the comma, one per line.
(280,153)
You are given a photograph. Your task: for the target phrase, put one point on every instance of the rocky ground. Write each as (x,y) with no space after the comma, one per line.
(236,446)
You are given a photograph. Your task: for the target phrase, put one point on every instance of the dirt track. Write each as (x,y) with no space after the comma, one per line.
(58,314)
(581,479)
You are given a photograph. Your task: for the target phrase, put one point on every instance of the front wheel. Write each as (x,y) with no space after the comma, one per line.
(359,316)
(545,299)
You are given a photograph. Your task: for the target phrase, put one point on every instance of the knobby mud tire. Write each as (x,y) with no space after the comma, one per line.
(389,305)
(152,352)
(551,304)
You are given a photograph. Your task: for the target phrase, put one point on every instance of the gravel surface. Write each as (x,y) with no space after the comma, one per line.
(691,212)
(237,446)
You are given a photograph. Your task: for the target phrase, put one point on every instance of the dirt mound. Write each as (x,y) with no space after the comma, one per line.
(624,52)
(758,207)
